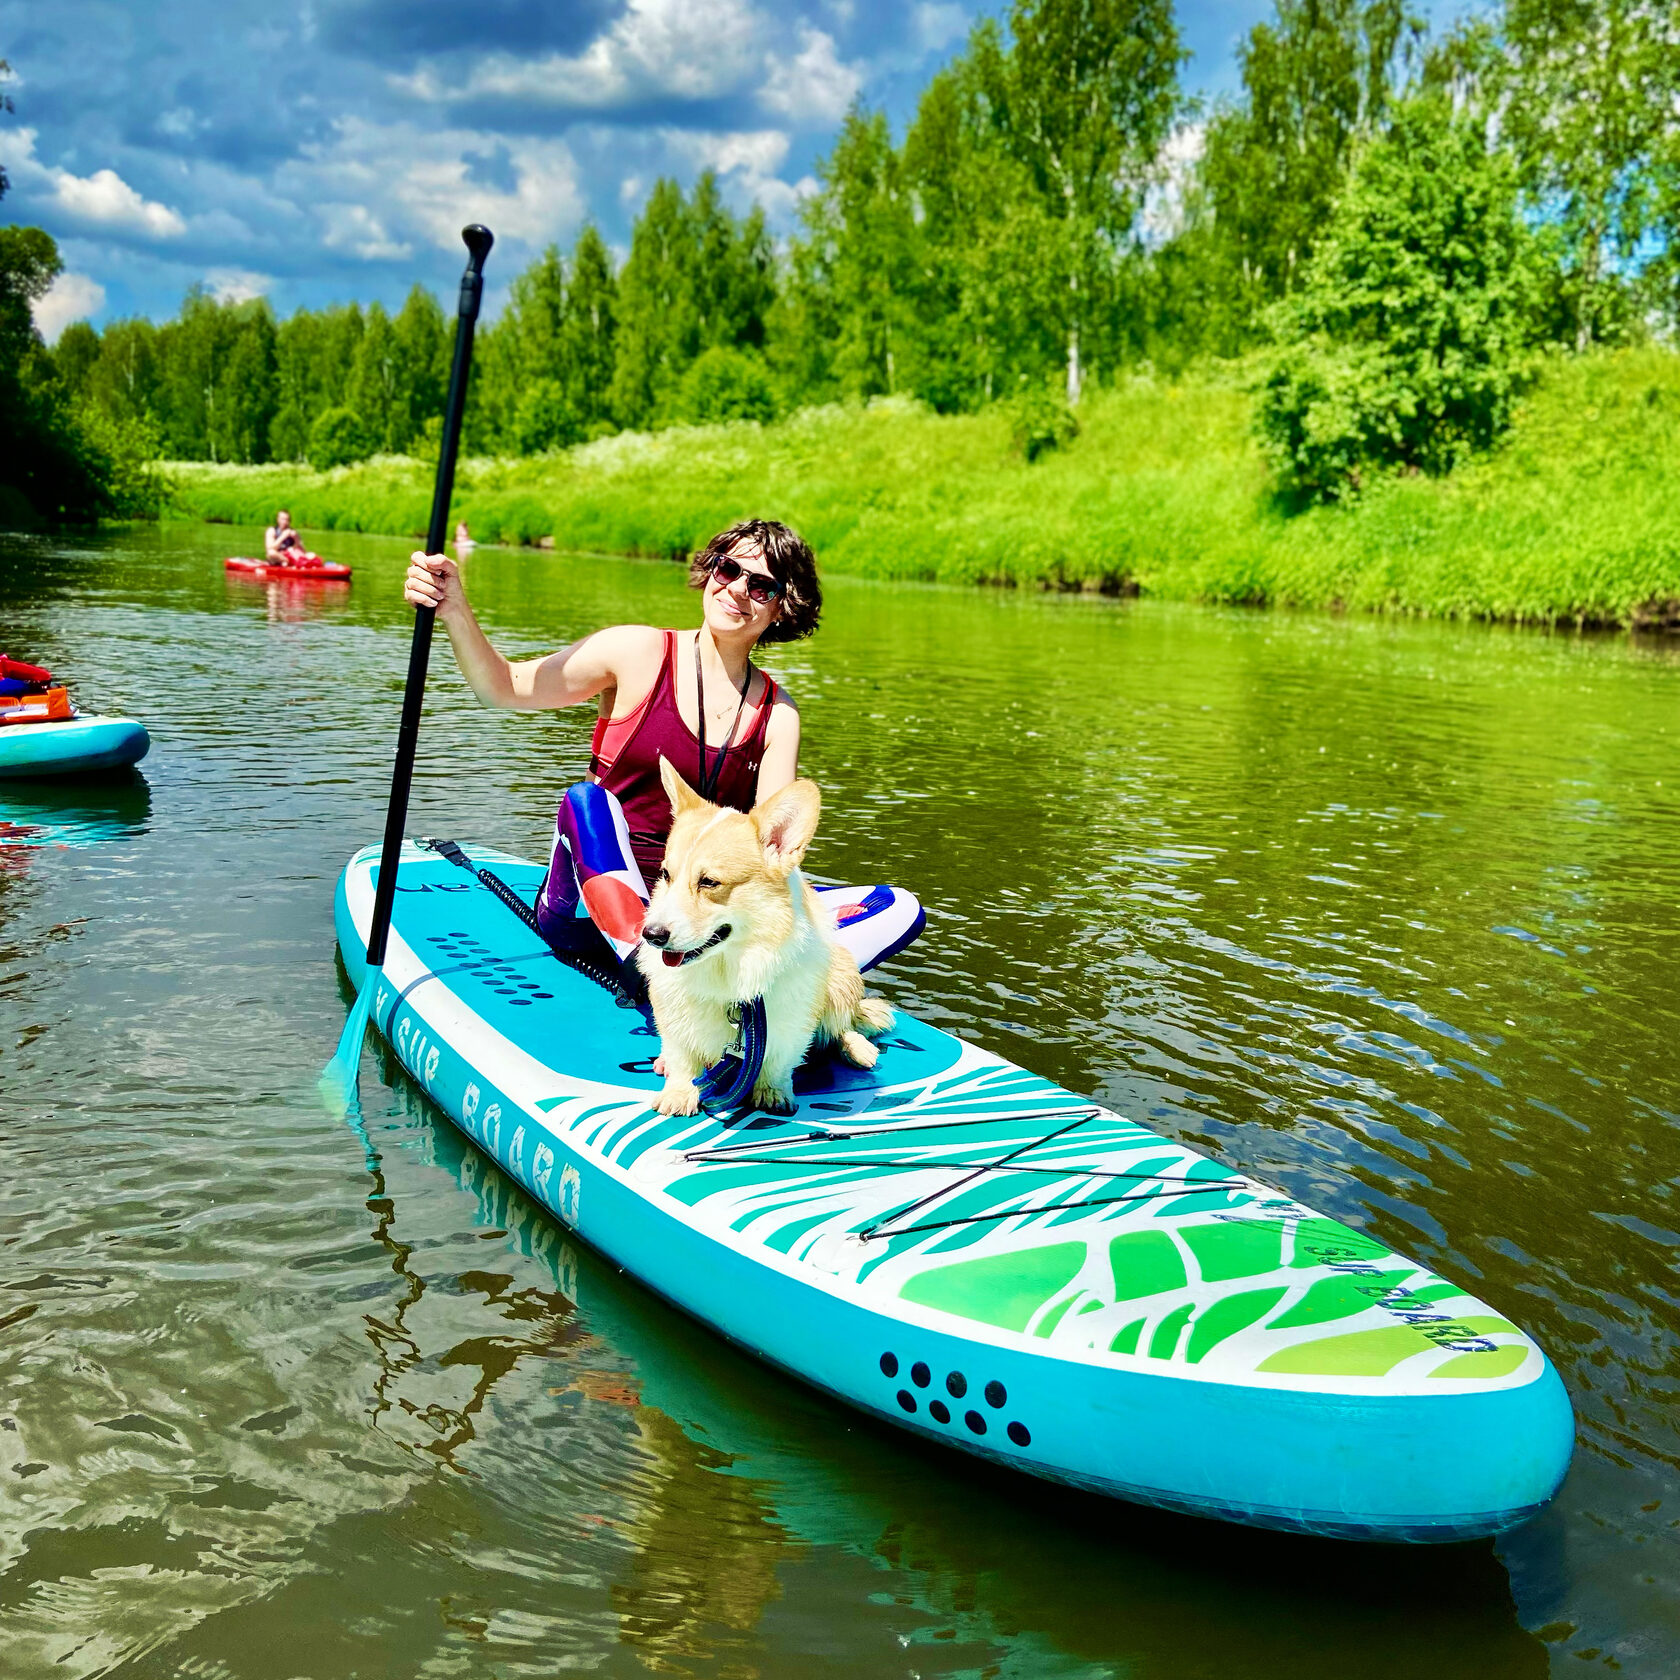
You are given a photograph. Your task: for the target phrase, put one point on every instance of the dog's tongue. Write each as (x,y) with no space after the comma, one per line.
(672,959)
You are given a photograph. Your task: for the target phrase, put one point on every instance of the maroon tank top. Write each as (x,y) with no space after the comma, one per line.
(626,753)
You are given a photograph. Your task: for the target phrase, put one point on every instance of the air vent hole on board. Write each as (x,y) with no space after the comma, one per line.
(907,1400)
(939,1411)
(996,1394)
(975,1422)
(920,1375)
(956,1385)
(889,1364)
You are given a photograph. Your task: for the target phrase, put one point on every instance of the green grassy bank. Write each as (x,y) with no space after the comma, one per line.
(1575,518)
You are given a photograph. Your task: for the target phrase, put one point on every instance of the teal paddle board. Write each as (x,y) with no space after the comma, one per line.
(961,1247)
(72,747)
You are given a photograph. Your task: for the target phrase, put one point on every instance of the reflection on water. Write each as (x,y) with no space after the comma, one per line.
(1383,912)
(72,811)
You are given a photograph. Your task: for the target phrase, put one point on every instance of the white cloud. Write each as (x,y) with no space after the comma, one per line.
(814,88)
(103,199)
(71,297)
(689,49)
(238,285)
(754,153)
(355,228)
(379,188)
(746,163)
(937,23)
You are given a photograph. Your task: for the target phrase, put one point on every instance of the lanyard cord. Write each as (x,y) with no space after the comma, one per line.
(707,784)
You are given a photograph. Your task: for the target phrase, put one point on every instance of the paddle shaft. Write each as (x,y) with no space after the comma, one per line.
(478,240)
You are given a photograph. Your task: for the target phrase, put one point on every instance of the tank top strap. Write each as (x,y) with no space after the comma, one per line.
(761,724)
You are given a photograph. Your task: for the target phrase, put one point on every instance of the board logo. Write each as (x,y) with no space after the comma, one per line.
(542,1169)
(417,1052)
(571,1194)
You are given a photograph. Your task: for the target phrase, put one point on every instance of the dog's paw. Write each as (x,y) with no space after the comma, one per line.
(774,1099)
(858,1050)
(874,1015)
(678,1097)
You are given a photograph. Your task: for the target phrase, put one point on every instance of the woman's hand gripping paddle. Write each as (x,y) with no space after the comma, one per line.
(338,1081)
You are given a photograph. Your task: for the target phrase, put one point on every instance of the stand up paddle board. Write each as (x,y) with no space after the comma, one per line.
(302,571)
(960,1247)
(71,747)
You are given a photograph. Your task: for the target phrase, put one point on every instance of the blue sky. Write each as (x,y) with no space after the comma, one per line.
(319,150)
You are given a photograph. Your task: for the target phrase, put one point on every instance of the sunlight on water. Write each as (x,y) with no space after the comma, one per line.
(1385,913)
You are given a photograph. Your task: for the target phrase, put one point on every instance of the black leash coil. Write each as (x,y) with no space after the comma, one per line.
(582,962)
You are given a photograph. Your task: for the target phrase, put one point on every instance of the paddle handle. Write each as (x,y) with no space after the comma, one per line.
(478,242)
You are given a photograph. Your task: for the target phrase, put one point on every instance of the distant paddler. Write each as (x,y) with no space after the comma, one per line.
(283,546)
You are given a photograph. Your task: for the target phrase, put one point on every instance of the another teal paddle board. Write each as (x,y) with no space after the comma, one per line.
(73,747)
(960,1247)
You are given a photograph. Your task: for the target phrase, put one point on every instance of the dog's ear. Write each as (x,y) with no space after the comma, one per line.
(682,796)
(786,821)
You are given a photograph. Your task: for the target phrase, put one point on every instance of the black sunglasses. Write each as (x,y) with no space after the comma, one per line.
(761,587)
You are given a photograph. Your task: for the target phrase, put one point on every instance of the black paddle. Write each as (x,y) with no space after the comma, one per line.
(338,1079)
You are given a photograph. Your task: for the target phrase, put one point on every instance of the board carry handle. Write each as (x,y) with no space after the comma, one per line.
(478,240)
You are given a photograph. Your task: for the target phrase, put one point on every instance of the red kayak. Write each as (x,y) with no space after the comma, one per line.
(312,570)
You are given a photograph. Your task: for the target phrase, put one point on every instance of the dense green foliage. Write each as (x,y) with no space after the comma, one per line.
(1405,342)
(57,462)
(1384,231)
(1164,489)
(1316,80)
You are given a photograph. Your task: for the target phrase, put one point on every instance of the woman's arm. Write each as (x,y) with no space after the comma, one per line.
(573,674)
(780,763)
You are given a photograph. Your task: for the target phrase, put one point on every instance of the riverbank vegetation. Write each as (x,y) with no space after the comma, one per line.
(1164,490)
(61,458)
(1065,326)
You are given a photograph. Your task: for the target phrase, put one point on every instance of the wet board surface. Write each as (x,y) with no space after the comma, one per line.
(960,1246)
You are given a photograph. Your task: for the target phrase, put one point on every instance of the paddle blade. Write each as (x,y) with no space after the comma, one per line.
(338,1083)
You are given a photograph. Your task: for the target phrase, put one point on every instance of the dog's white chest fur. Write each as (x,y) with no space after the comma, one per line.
(733,906)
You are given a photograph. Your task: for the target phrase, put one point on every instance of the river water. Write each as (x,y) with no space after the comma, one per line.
(1383,912)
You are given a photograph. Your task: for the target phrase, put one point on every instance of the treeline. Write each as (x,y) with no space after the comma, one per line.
(1394,226)
(60,457)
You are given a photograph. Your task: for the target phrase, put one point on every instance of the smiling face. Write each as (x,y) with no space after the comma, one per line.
(729,608)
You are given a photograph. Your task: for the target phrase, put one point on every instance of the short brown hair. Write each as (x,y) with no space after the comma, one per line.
(791,563)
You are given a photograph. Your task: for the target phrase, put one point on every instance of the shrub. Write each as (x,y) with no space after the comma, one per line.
(1040,420)
(545,419)
(1406,346)
(288,434)
(136,487)
(723,384)
(337,438)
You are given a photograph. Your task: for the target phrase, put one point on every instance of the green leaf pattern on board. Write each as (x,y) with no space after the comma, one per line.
(1001,1200)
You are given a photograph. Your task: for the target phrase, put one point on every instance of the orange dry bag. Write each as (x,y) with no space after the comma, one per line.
(51,707)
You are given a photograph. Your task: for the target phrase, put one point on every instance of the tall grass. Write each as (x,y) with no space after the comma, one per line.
(1574,518)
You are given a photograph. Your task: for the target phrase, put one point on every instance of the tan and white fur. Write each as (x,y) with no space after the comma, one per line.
(740,870)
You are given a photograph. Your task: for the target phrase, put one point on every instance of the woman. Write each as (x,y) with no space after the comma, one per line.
(281,543)
(692,696)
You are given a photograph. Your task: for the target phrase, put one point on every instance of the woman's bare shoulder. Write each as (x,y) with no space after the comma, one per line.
(625,644)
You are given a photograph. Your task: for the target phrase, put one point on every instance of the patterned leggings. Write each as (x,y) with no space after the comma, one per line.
(592,872)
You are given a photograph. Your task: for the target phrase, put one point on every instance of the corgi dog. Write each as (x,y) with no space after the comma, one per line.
(730,919)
